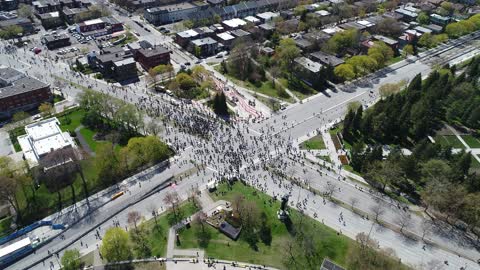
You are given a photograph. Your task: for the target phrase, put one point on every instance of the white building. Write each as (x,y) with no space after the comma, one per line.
(43,137)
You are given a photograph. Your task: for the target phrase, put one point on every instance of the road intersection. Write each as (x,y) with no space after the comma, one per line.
(243,149)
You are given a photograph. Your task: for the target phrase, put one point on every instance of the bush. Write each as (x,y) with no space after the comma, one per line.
(98,76)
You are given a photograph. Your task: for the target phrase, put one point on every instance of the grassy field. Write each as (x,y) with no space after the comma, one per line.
(327,241)
(266,88)
(475,164)
(449,140)
(159,230)
(314,143)
(471,141)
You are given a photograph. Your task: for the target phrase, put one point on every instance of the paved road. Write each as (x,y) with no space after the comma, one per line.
(240,149)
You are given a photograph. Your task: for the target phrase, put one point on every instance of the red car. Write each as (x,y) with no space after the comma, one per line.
(37,50)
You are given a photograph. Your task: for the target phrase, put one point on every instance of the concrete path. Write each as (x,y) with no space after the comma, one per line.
(83,142)
(208,206)
(467,147)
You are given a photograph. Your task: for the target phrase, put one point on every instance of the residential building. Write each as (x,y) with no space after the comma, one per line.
(183,38)
(51,19)
(152,57)
(234,23)
(216,3)
(307,70)
(352,25)
(110,62)
(19,92)
(326,59)
(407,14)
(8,5)
(251,19)
(56,41)
(241,35)
(436,29)
(195,11)
(42,138)
(25,24)
(267,16)
(6,15)
(225,39)
(393,44)
(439,20)
(204,47)
(70,15)
(99,27)
(133,47)
(304,44)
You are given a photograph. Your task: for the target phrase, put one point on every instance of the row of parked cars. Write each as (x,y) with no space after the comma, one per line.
(67,50)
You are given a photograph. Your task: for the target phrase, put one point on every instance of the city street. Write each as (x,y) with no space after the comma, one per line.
(241,149)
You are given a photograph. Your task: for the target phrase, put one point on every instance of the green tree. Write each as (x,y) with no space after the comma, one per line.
(362,64)
(25,11)
(220,104)
(423,18)
(381,53)
(341,41)
(71,260)
(107,164)
(185,81)
(115,245)
(46,109)
(20,116)
(344,72)
(407,50)
(287,51)
(11,31)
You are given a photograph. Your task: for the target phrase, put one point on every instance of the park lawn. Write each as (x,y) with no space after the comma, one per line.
(451,140)
(221,247)
(158,235)
(75,117)
(471,141)
(314,143)
(47,201)
(337,248)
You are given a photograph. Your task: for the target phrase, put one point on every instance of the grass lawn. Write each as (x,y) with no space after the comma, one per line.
(88,134)
(449,140)
(326,158)
(475,164)
(159,231)
(471,141)
(350,169)
(327,242)
(394,60)
(314,143)
(266,88)
(300,95)
(72,120)
(5,226)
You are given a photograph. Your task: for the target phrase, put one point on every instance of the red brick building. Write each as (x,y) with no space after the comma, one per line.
(152,57)
(19,92)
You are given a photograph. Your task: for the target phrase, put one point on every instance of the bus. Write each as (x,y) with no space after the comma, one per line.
(118,194)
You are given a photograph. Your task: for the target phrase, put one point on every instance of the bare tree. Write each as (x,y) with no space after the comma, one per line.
(153,127)
(237,204)
(404,220)
(353,202)
(378,210)
(154,210)
(200,219)
(427,227)
(133,218)
(330,189)
(8,192)
(172,199)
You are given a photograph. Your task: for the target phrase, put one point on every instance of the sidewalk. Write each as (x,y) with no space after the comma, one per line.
(208,206)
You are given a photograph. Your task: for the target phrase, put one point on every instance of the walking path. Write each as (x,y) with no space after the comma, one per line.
(474,151)
(83,142)
(208,206)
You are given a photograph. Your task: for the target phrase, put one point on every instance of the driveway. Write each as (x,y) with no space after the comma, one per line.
(6,147)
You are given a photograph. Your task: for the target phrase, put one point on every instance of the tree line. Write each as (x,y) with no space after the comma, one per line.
(433,174)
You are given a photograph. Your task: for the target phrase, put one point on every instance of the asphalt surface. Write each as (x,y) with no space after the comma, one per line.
(243,148)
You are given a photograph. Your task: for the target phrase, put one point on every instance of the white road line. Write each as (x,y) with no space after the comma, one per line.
(212,169)
(255,131)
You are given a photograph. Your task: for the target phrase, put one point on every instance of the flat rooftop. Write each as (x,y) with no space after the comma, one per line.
(43,137)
